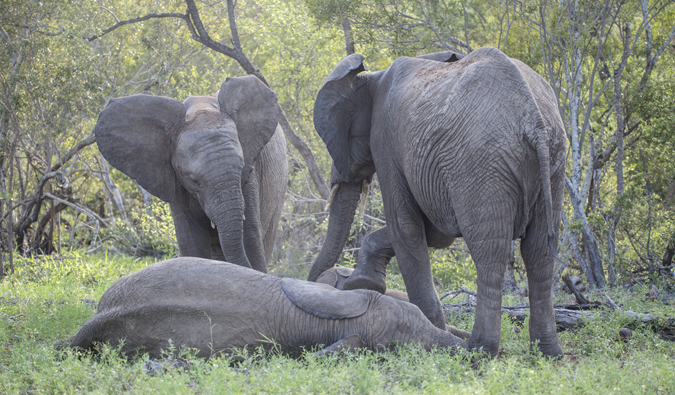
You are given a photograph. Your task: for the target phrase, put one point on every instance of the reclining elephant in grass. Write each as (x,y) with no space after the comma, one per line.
(219,307)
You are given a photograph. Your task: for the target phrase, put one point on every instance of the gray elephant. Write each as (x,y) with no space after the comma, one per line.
(471,147)
(338,275)
(216,307)
(219,161)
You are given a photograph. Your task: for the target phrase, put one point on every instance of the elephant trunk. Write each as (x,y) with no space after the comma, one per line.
(227,214)
(342,210)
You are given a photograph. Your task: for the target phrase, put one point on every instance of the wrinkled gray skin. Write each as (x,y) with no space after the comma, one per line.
(338,275)
(219,161)
(216,307)
(470,148)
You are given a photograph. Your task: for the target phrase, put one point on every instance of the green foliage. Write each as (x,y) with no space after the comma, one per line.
(453,266)
(142,234)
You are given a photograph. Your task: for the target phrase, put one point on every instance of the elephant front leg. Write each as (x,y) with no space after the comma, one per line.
(192,236)
(371,267)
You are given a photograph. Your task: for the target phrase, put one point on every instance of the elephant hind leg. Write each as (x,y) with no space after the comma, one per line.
(489,240)
(349,343)
(539,266)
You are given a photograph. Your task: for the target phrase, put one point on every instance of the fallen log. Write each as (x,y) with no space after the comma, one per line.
(573,316)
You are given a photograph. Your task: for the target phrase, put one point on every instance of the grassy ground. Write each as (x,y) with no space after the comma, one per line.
(49,299)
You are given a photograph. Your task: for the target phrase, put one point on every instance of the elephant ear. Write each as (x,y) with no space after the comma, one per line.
(324,301)
(447,56)
(254,109)
(134,134)
(342,113)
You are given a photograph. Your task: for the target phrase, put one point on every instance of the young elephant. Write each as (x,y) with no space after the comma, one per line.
(337,276)
(219,161)
(217,307)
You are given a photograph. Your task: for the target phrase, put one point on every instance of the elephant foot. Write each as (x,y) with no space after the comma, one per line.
(488,348)
(366,279)
(551,349)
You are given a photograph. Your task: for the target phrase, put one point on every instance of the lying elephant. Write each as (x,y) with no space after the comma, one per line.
(215,307)
(337,275)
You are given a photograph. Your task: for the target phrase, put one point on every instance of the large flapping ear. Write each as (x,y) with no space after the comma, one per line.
(324,301)
(447,56)
(134,135)
(254,109)
(342,112)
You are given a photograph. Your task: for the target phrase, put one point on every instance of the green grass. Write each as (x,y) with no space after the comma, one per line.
(49,299)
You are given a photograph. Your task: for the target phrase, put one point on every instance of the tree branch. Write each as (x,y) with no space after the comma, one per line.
(135,20)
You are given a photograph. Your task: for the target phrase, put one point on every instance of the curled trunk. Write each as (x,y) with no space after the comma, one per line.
(342,210)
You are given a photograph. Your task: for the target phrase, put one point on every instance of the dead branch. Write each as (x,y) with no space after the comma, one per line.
(79,208)
(570,284)
(200,34)
(135,20)
(458,291)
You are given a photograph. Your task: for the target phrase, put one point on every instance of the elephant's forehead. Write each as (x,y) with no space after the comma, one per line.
(202,109)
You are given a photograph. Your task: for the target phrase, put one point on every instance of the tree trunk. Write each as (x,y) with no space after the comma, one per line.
(349,41)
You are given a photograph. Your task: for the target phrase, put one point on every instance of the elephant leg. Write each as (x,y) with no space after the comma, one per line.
(489,241)
(350,343)
(374,256)
(253,243)
(405,223)
(376,252)
(191,232)
(539,266)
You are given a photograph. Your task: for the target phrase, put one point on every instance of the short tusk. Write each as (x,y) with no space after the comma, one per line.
(213,225)
(364,196)
(333,191)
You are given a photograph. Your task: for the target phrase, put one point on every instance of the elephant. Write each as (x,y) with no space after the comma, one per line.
(338,275)
(217,307)
(464,146)
(219,161)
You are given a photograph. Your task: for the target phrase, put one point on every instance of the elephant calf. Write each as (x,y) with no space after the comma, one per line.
(218,307)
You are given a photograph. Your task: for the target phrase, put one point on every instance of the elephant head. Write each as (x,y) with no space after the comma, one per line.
(196,155)
(342,117)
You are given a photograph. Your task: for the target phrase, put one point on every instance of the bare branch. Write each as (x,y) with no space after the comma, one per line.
(233,25)
(36,30)
(136,20)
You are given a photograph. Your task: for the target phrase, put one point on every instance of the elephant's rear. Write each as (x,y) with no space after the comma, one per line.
(203,304)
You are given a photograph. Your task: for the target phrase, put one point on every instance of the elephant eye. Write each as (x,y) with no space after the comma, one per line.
(193,178)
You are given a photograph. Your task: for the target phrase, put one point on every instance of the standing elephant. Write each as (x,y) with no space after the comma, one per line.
(471,147)
(219,161)
(220,307)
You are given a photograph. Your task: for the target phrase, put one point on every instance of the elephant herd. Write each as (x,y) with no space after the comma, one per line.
(464,146)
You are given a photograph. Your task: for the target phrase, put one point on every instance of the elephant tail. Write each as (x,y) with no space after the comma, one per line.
(85,337)
(542,148)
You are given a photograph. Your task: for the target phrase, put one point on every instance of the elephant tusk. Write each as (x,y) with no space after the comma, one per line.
(213,225)
(333,191)
(364,197)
